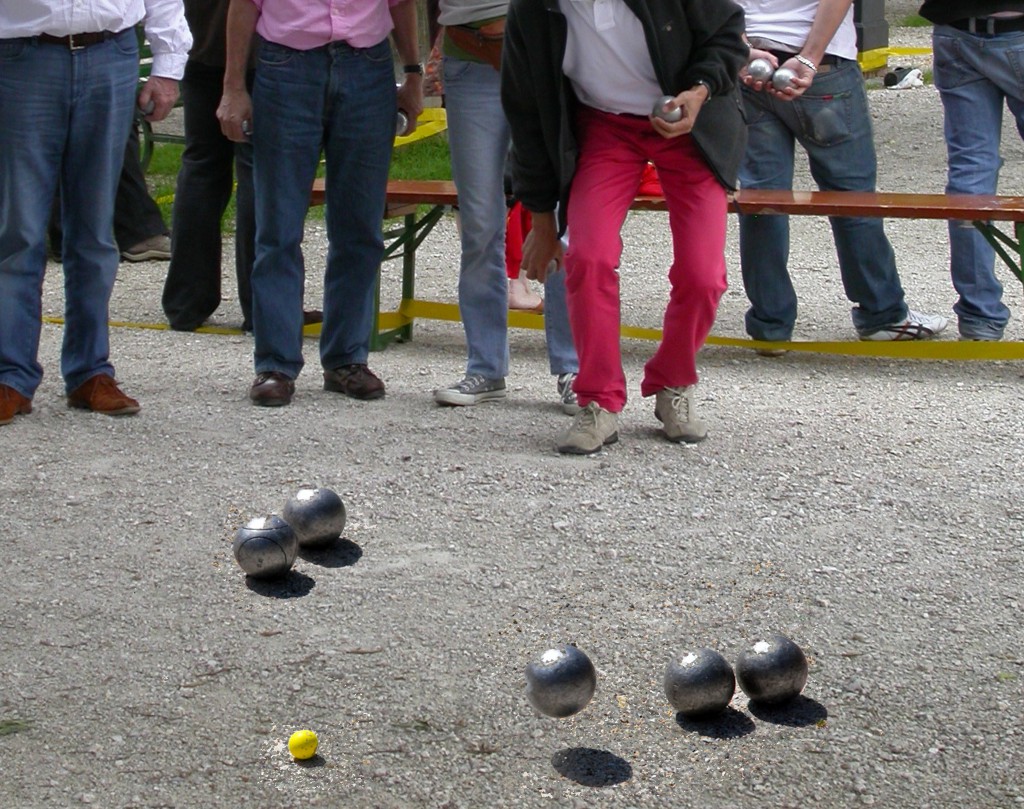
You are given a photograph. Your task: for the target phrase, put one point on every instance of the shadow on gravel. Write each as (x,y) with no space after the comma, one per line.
(310,763)
(799,712)
(730,724)
(294,585)
(341,553)
(590,767)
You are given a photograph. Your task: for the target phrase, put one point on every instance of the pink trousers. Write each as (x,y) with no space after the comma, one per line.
(613,151)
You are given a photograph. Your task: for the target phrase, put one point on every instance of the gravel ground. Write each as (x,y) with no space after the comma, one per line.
(868,508)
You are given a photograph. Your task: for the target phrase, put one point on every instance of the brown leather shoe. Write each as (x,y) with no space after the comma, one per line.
(272,389)
(100,394)
(12,404)
(355,380)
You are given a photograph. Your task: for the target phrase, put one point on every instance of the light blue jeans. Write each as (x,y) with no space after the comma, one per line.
(832,123)
(975,74)
(340,100)
(64,116)
(478,137)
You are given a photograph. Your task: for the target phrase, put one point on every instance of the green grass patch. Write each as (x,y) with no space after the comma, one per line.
(8,727)
(425,159)
(914,21)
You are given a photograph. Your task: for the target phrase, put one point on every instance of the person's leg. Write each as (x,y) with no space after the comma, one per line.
(697,217)
(562,357)
(192,289)
(607,176)
(35,103)
(137,217)
(245,230)
(359,138)
(288,110)
(836,132)
(478,136)
(972,81)
(764,239)
(106,76)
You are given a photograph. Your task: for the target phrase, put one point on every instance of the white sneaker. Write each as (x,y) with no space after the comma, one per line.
(470,390)
(592,428)
(674,408)
(915,326)
(567,395)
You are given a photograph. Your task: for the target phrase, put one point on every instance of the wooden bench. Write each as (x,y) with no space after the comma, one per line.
(405,198)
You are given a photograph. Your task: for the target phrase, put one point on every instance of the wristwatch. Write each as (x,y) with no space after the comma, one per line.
(417,68)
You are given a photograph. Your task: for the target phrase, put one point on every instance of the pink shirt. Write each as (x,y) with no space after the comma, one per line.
(306,24)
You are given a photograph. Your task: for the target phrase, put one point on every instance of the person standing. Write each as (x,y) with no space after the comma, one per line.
(209,166)
(978,50)
(68,87)
(324,82)
(478,136)
(579,81)
(825,109)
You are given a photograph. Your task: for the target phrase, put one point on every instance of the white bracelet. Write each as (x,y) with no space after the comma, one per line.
(806,62)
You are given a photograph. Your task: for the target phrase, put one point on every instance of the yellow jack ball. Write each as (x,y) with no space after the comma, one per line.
(302,744)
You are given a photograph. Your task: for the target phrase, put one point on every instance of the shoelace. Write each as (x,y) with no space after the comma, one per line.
(470,382)
(680,403)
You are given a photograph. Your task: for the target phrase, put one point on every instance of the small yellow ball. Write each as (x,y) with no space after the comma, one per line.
(302,744)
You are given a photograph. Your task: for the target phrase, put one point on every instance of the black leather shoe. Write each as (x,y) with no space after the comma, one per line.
(354,380)
(272,389)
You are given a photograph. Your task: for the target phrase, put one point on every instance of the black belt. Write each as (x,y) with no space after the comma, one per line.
(75,41)
(827,59)
(989,25)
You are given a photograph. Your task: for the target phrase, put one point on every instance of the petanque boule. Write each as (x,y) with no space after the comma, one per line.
(317,516)
(265,547)
(772,671)
(699,684)
(671,116)
(760,69)
(561,681)
(783,78)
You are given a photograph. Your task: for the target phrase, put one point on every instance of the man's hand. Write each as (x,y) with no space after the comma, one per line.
(410,99)
(689,101)
(235,115)
(802,78)
(541,247)
(157,97)
(757,84)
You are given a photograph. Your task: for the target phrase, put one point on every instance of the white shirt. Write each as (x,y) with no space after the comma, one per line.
(788,22)
(606,57)
(166,29)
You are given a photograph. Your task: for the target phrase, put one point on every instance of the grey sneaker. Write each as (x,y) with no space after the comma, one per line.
(592,428)
(567,395)
(155,248)
(674,408)
(470,390)
(915,326)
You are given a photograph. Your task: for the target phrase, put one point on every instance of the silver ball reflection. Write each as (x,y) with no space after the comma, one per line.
(659,110)
(783,78)
(316,515)
(699,683)
(561,681)
(760,69)
(265,547)
(772,670)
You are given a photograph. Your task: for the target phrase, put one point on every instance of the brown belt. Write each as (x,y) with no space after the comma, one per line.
(75,41)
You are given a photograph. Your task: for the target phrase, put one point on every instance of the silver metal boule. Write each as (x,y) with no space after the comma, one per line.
(265,547)
(699,683)
(783,78)
(760,69)
(772,670)
(670,116)
(316,515)
(561,681)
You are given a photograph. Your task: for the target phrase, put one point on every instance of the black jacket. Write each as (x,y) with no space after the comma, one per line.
(687,39)
(944,11)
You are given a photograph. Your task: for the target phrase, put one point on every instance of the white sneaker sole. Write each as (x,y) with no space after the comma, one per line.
(456,399)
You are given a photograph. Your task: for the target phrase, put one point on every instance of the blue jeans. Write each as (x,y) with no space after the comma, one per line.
(65,117)
(478,135)
(832,123)
(975,73)
(340,100)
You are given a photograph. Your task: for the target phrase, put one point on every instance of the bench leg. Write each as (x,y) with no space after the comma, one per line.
(998,239)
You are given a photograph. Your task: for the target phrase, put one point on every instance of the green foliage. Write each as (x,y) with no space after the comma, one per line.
(423,160)
(9,727)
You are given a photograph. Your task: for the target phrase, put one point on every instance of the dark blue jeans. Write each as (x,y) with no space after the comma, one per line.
(339,100)
(65,116)
(832,123)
